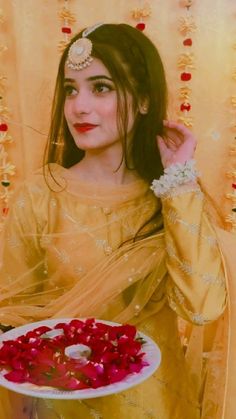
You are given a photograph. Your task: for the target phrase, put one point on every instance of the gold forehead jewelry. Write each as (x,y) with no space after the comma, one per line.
(79,55)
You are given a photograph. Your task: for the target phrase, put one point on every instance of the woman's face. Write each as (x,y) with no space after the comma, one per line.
(91,107)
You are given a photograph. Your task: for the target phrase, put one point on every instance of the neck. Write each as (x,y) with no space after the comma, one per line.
(105,167)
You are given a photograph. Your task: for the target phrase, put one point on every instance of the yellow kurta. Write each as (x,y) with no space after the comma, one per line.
(68,254)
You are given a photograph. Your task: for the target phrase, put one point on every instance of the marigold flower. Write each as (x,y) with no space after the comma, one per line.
(2,82)
(231,174)
(4,112)
(233,101)
(5,138)
(1,16)
(231,219)
(140,13)
(3,153)
(184,92)
(185,61)
(8,169)
(3,48)
(62,45)
(186,120)
(5,195)
(65,14)
(187,25)
(233,126)
(186,3)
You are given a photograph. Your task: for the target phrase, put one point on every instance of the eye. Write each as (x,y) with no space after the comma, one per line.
(70,90)
(101,87)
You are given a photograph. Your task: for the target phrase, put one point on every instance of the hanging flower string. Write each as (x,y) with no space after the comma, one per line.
(73,356)
(231,174)
(185,64)
(140,14)
(67,19)
(7,169)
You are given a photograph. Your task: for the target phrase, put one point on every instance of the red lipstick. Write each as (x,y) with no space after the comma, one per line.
(85,126)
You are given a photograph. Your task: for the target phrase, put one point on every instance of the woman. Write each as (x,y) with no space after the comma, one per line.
(85,237)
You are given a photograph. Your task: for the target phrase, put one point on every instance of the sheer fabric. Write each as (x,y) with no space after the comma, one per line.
(69,253)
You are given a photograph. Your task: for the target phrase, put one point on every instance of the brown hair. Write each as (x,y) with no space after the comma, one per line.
(135,67)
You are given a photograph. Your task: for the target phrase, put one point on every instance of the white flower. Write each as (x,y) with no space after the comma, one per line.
(174,175)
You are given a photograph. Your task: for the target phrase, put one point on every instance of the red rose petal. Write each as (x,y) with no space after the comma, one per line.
(17,376)
(3,127)
(188,42)
(66,29)
(115,352)
(185,107)
(186,76)
(140,26)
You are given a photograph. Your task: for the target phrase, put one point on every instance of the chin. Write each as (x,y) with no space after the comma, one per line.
(86,147)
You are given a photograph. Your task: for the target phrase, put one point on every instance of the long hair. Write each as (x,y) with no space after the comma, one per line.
(136,68)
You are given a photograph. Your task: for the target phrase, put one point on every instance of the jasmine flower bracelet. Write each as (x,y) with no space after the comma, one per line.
(175,175)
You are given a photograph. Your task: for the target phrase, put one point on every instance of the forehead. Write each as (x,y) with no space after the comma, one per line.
(96,68)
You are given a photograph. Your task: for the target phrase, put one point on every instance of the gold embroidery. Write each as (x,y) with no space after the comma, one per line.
(21,202)
(13,241)
(198,318)
(186,267)
(62,255)
(179,295)
(210,279)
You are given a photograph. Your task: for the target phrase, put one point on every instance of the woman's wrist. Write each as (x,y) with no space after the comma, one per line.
(174,176)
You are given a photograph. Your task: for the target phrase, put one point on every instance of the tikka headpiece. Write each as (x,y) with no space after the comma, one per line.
(79,55)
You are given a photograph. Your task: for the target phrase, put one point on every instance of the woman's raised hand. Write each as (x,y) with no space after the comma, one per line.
(177,145)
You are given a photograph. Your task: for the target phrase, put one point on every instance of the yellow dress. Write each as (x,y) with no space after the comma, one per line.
(69,253)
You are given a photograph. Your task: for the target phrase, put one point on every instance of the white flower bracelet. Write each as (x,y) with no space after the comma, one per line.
(174,175)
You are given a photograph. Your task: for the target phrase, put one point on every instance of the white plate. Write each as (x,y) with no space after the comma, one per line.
(152,356)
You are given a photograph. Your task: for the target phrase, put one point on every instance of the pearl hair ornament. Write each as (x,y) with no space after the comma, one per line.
(79,55)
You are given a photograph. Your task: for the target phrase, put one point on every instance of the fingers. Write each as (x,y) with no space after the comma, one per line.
(177,126)
(173,137)
(163,149)
(161,144)
(179,131)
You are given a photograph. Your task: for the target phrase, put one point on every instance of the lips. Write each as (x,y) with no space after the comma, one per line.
(85,126)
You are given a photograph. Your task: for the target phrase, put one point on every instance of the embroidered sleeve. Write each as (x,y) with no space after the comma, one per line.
(196,287)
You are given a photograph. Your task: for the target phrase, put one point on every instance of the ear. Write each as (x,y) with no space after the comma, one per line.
(143,106)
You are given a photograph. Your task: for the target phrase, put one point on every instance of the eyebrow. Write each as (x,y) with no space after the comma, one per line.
(92,78)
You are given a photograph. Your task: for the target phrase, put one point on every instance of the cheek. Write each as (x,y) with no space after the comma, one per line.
(108,106)
(109,109)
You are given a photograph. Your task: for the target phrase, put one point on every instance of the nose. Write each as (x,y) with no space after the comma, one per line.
(82,102)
